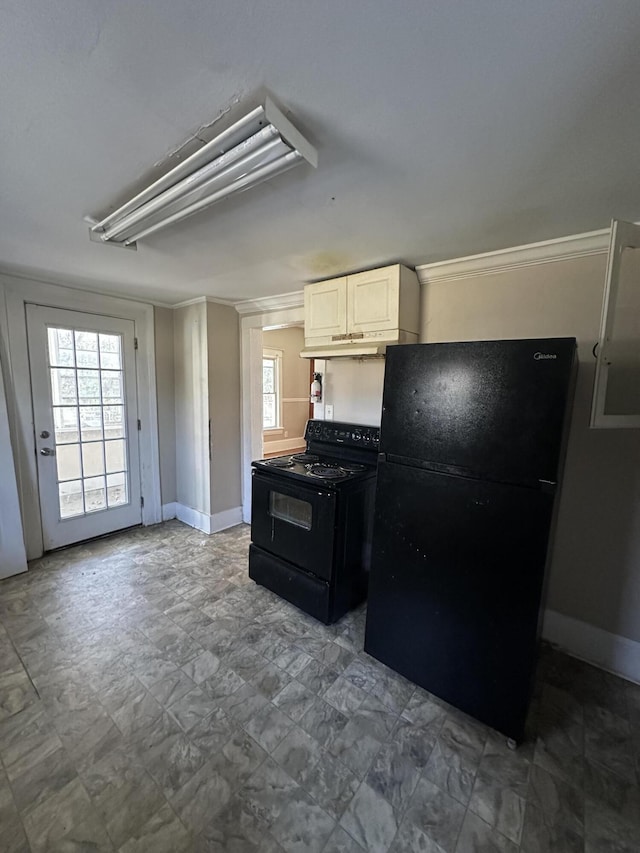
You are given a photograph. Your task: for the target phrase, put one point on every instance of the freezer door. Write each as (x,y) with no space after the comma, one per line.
(491,409)
(455,588)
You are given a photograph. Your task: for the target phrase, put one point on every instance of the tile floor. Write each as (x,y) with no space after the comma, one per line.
(152,698)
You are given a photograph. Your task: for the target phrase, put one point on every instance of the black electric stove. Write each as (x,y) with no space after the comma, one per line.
(312,516)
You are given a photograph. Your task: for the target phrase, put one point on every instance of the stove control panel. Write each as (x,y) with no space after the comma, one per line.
(349,435)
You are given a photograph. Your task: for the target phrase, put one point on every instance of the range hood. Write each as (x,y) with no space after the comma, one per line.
(365,349)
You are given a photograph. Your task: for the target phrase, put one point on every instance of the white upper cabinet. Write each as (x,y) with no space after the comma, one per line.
(616,393)
(377,305)
(373,300)
(325,308)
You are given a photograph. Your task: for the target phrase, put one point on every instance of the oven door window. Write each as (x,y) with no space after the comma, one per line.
(292,510)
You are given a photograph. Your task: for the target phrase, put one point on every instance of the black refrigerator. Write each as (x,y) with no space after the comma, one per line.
(471,451)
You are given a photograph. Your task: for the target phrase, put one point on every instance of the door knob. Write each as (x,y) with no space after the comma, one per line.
(47,451)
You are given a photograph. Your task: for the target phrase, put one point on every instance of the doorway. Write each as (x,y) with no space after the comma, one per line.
(285,397)
(252,328)
(84,396)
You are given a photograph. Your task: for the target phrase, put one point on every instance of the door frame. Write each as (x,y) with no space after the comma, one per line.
(58,530)
(290,312)
(13,558)
(20,291)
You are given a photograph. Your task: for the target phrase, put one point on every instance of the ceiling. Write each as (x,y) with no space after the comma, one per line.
(443,129)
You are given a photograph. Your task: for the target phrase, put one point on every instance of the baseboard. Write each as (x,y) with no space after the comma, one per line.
(168,511)
(227,518)
(193,517)
(611,652)
(208,523)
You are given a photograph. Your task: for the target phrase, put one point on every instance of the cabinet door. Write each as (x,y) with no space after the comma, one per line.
(373,300)
(616,393)
(325,308)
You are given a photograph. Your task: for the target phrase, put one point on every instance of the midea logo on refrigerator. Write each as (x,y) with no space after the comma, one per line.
(541,355)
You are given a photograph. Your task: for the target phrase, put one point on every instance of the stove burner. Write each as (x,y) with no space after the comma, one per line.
(279,462)
(305,457)
(352,467)
(326,472)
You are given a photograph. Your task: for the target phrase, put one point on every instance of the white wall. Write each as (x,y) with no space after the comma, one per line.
(207,415)
(192,407)
(165,388)
(354,387)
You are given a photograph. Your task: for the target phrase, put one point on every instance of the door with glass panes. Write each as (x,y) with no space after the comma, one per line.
(83,384)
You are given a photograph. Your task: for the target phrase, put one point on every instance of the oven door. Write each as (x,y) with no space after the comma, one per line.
(294,521)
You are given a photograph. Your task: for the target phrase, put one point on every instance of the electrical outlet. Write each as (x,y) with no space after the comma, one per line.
(328,412)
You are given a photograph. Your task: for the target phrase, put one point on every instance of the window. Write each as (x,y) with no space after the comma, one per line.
(271,380)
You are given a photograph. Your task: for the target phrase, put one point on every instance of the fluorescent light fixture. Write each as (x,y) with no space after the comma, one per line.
(259,146)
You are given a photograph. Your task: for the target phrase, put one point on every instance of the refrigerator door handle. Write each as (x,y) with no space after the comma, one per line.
(429,465)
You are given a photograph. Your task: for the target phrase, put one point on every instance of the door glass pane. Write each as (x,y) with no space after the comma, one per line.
(61,349)
(91,423)
(112,386)
(114,453)
(89,417)
(110,352)
(68,459)
(89,387)
(291,510)
(92,459)
(117,489)
(63,387)
(86,349)
(95,495)
(65,423)
(114,421)
(71,499)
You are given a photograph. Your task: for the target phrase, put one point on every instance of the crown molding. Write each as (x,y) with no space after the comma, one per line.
(72,282)
(502,260)
(271,303)
(199,299)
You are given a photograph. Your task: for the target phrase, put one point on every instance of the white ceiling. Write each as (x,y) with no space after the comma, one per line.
(443,129)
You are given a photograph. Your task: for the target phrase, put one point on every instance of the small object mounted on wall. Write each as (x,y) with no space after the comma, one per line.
(316,388)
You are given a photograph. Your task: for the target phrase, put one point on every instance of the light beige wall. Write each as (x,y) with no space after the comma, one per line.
(223,337)
(595,569)
(165,389)
(295,383)
(191,406)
